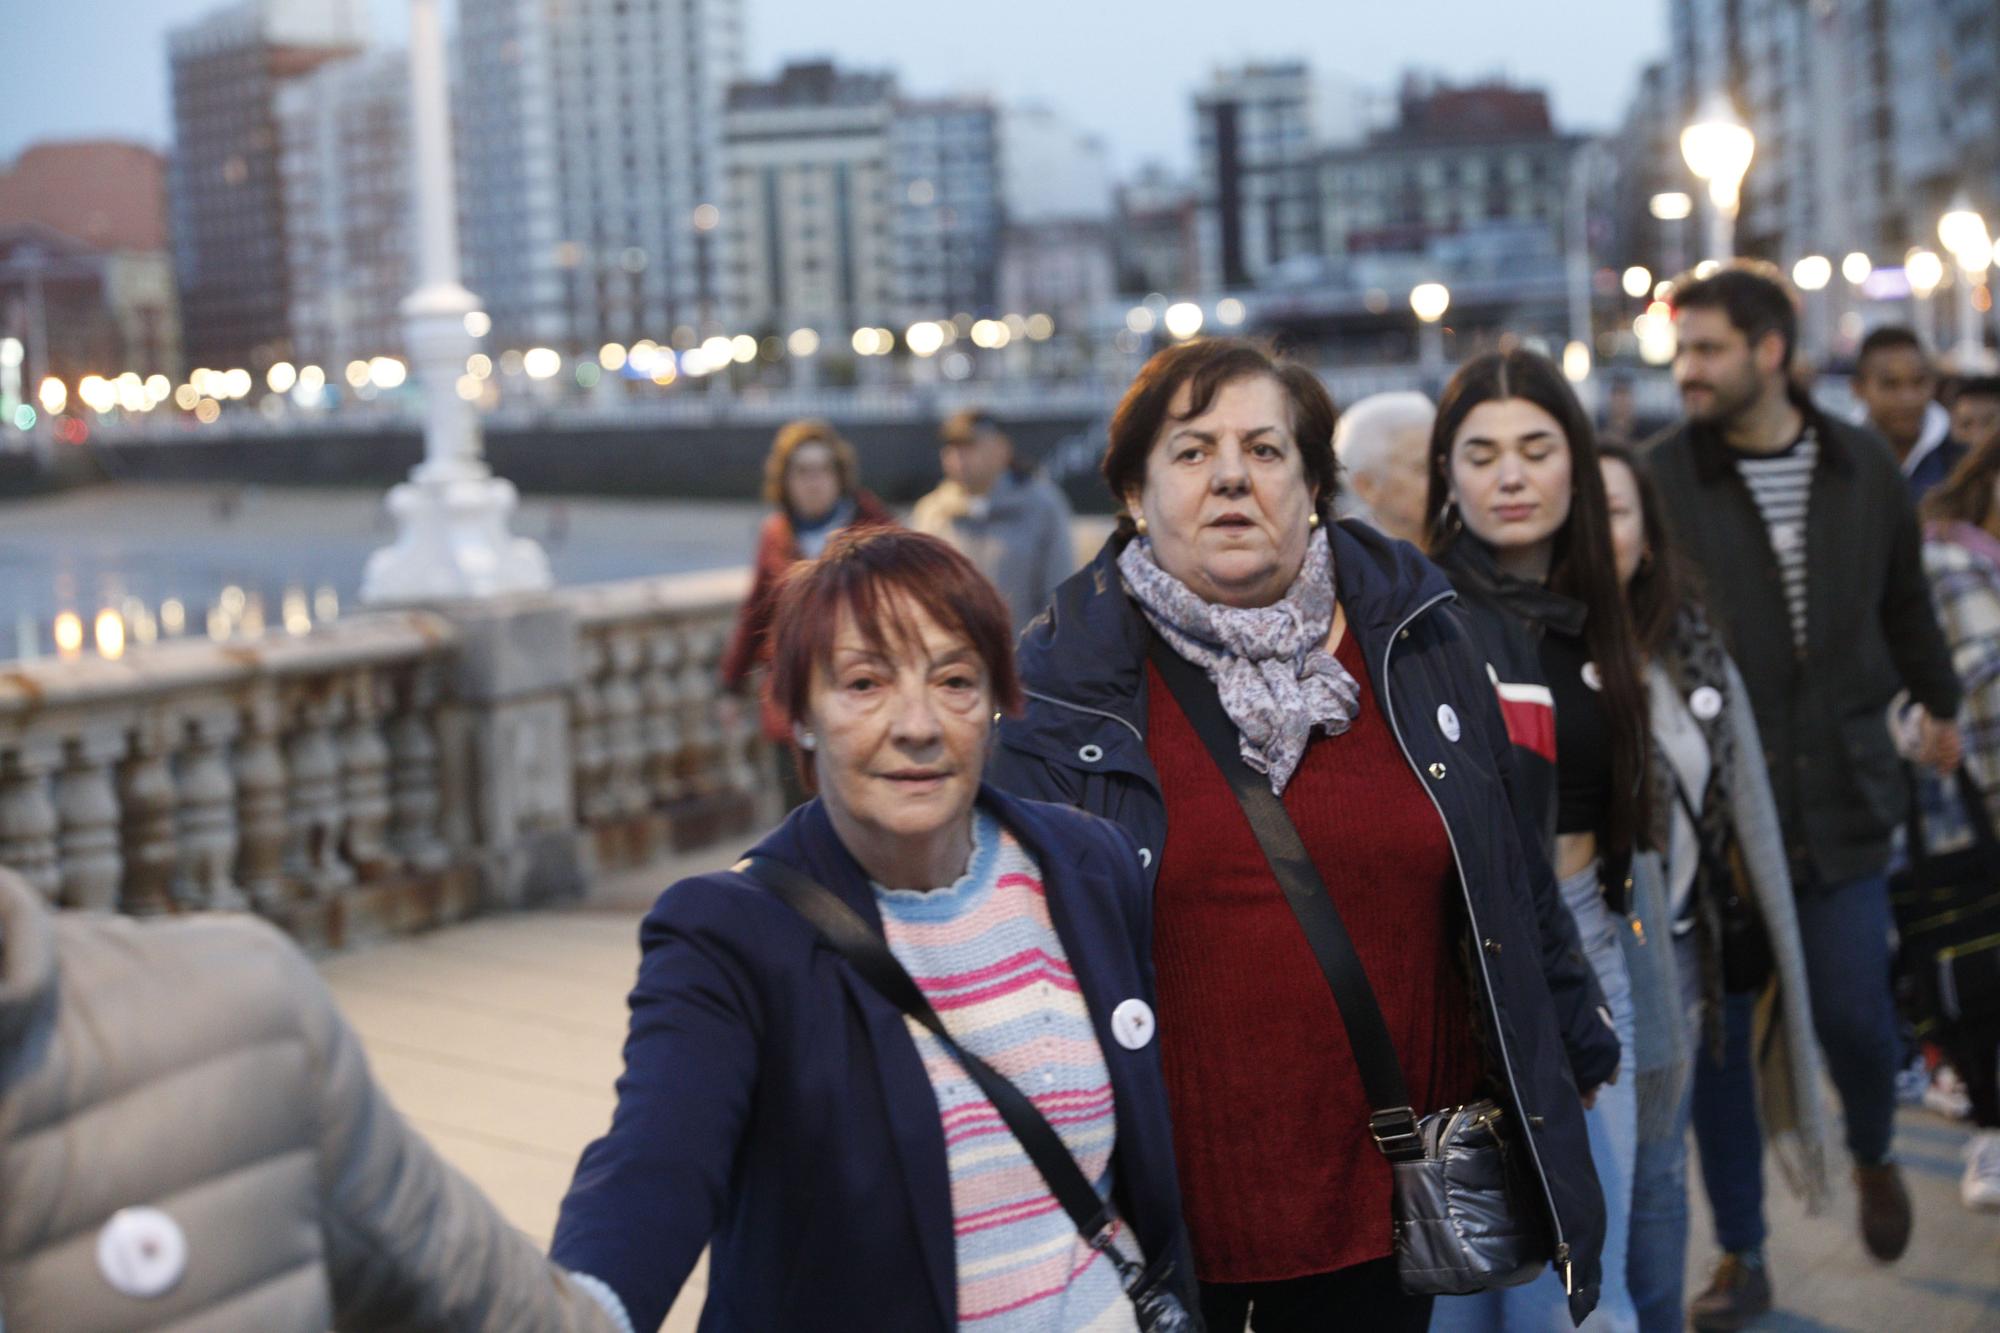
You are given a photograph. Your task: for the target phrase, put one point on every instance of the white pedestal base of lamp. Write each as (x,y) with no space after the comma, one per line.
(452,539)
(453,542)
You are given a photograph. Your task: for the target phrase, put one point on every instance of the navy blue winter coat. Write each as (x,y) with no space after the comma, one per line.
(774,1106)
(1082,740)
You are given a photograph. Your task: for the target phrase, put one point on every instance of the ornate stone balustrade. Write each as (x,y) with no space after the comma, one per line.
(386,772)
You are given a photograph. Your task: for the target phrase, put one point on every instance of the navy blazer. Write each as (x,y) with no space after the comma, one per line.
(774,1106)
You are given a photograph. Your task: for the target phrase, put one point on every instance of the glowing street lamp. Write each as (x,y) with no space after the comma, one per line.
(1812,273)
(1718,148)
(1964,233)
(1856,267)
(1429,301)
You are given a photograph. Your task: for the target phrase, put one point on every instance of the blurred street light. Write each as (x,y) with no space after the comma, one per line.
(1964,233)
(281,377)
(1856,267)
(1671,205)
(1718,149)
(1637,281)
(1183,320)
(1812,273)
(923,338)
(1429,300)
(53,395)
(1229,312)
(802,342)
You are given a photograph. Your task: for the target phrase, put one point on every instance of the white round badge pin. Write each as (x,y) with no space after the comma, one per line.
(142,1252)
(1132,1024)
(1706,703)
(1448,722)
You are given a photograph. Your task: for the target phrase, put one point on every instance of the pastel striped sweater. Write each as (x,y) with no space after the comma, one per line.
(985,953)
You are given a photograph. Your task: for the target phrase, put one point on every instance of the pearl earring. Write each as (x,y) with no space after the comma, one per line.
(1139,522)
(808,741)
(1312,519)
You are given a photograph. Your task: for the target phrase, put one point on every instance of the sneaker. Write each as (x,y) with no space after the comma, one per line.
(1946,1096)
(1981,1186)
(1738,1291)
(1913,1081)
(1885,1210)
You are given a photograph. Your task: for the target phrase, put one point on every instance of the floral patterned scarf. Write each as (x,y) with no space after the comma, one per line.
(1269,663)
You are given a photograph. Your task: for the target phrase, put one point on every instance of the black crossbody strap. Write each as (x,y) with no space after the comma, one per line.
(1394,1121)
(868,953)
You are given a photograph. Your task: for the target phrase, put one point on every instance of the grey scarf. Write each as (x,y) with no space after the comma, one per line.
(1269,664)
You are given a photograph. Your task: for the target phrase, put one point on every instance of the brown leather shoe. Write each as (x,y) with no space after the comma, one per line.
(1885,1210)
(1738,1291)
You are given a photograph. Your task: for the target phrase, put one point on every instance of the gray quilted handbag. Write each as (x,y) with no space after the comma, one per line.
(1461,1225)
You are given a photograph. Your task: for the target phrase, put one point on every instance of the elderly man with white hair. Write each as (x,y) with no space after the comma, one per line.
(1382,442)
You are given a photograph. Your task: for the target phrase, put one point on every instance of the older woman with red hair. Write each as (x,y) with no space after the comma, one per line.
(896,1067)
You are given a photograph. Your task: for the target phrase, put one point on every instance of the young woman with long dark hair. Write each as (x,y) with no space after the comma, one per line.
(1517,519)
(1728,909)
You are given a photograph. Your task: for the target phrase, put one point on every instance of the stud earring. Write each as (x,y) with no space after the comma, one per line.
(1139,522)
(808,741)
(1312,519)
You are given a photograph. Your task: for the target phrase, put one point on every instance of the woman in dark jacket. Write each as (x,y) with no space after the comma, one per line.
(1357,694)
(842,1166)
(1519,522)
(811,482)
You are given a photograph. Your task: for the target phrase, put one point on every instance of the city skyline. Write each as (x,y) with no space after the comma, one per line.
(1127,81)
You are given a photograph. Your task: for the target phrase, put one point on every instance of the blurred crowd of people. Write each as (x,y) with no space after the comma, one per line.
(1340,901)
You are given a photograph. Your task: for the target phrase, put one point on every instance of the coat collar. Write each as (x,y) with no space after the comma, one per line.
(1088,649)
(1714,459)
(1474,568)
(1080,904)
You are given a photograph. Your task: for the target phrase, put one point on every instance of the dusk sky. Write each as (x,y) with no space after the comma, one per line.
(1120,68)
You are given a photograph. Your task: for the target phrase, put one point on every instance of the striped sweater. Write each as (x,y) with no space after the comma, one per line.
(986,954)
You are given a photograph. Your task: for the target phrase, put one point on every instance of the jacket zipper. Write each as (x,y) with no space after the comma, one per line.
(1562,1254)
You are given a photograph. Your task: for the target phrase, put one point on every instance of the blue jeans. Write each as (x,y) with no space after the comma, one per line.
(1845,930)
(1613,1125)
(1656,1264)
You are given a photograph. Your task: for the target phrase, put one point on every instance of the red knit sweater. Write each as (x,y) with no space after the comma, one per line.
(1279,1175)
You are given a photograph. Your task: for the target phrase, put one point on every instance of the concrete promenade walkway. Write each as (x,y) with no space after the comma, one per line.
(500,1040)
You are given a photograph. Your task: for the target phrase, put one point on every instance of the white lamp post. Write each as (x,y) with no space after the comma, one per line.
(1965,235)
(451,516)
(1718,149)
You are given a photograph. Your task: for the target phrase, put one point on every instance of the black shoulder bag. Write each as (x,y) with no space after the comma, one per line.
(1947,910)
(1462,1220)
(1154,1301)
(1747,961)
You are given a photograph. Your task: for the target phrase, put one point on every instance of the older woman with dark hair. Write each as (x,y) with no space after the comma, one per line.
(833,1043)
(1355,694)
(812,483)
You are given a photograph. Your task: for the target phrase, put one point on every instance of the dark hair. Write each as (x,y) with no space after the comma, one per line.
(1752,293)
(970,422)
(794,436)
(1205,365)
(1966,496)
(1664,582)
(877,574)
(1580,565)
(1977,386)
(1888,338)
